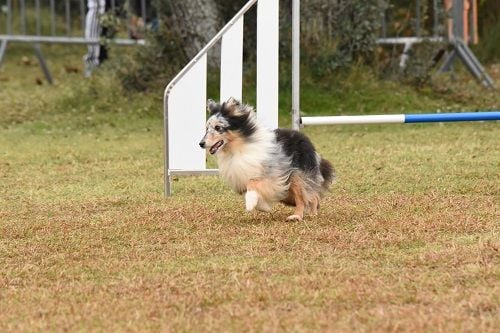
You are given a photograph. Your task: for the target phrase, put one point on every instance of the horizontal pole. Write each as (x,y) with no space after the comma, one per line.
(340,120)
(403,118)
(409,40)
(69,40)
(451,117)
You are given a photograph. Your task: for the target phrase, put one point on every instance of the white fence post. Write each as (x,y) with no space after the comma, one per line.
(267,62)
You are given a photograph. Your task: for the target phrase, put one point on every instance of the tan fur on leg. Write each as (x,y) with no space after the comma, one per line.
(296,192)
(314,204)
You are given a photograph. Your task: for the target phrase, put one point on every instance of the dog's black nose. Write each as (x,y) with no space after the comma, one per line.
(202,144)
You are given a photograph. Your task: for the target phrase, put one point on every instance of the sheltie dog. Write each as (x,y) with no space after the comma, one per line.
(266,166)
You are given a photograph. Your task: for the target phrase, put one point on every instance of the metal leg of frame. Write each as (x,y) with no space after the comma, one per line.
(168,185)
(405,55)
(43,64)
(168,180)
(448,62)
(473,65)
(3,48)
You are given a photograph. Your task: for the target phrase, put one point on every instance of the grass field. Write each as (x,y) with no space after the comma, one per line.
(408,239)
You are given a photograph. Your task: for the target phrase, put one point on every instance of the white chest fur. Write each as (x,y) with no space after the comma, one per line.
(247,162)
(240,167)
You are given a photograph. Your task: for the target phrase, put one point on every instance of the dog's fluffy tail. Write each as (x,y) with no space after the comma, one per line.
(328,173)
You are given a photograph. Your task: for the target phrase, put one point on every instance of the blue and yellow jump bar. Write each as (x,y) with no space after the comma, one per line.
(403,118)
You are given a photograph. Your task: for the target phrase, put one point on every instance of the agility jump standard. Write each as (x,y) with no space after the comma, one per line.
(185,96)
(402,118)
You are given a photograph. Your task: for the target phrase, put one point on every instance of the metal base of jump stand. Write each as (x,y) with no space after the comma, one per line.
(465,54)
(3,48)
(43,64)
(39,56)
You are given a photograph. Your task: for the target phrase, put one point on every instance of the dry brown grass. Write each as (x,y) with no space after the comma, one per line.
(368,263)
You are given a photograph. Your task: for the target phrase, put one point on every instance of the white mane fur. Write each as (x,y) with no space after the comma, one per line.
(252,160)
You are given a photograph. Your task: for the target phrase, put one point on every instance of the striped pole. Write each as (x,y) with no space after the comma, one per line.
(403,118)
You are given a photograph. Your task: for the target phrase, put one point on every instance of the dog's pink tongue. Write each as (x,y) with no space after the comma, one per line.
(215,147)
(213,150)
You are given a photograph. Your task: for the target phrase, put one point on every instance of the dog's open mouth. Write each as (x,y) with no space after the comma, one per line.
(216,146)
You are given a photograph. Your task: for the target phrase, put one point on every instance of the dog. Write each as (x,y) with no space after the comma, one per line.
(266,166)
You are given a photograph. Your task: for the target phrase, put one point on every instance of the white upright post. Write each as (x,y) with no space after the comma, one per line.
(267,62)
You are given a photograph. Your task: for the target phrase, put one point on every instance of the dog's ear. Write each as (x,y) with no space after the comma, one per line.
(235,108)
(212,107)
(231,102)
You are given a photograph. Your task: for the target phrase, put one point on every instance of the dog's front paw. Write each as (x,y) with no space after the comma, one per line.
(251,200)
(294,218)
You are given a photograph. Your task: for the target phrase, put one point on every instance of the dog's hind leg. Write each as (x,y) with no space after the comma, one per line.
(296,192)
(314,204)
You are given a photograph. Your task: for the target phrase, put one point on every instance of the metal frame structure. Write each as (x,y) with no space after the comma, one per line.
(461,30)
(37,37)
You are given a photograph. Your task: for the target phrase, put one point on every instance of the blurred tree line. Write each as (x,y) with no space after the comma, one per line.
(335,34)
(489,30)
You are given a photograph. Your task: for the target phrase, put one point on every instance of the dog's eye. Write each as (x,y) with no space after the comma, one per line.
(218,128)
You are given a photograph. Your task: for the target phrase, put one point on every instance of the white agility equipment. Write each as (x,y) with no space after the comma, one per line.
(186,95)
